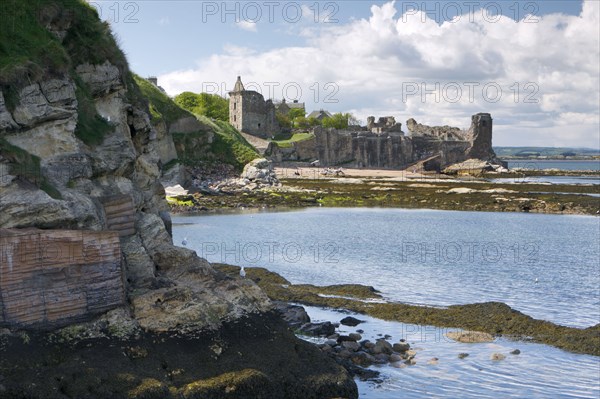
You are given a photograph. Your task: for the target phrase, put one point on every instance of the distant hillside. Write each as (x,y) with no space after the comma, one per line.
(545,151)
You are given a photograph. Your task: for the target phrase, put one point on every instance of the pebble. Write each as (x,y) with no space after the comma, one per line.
(462,355)
(515,352)
(497,356)
(433,361)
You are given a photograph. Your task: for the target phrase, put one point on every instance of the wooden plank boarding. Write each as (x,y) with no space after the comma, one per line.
(120,214)
(55,277)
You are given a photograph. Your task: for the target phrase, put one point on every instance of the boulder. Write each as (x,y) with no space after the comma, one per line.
(401,347)
(355,336)
(295,315)
(318,329)
(350,321)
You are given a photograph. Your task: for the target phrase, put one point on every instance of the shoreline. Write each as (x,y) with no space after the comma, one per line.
(399,189)
(495,318)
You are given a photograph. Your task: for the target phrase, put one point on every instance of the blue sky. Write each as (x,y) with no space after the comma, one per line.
(438,62)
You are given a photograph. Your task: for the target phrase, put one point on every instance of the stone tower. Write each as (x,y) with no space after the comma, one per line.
(480,136)
(250,113)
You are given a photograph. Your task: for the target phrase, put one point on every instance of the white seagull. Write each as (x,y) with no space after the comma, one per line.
(243,272)
(184,242)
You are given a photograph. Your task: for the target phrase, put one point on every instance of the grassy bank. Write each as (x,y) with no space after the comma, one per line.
(491,317)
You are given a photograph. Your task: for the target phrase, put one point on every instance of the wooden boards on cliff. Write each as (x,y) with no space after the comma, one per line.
(55,277)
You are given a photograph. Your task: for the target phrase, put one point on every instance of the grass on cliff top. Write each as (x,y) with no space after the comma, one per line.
(29,52)
(294,139)
(492,317)
(161,106)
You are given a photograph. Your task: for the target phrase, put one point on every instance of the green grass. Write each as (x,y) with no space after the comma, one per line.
(161,107)
(294,139)
(231,147)
(29,52)
(228,145)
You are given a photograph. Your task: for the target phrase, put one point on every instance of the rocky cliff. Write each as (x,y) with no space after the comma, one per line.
(78,177)
(75,136)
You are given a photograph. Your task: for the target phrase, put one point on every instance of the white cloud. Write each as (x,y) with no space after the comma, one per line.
(548,72)
(249,26)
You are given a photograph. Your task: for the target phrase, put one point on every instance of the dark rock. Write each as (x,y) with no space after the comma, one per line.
(351,321)
(362,359)
(360,331)
(351,345)
(334,336)
(462,355)
(343,338)
(401,347)
(367,344)
(355,336)
(294,315)
(382,346)
(515,352)
(382,358)
(318,329)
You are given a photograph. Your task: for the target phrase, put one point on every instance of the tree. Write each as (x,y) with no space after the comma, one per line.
(337,121)
(283,120)
(353,120)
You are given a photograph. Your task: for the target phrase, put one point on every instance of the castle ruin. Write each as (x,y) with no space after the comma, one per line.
(384,145)
(250,113)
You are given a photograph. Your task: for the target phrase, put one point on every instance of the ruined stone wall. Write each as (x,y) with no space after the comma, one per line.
(51,278)
(480,135)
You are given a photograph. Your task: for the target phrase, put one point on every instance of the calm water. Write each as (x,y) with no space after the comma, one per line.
(540,371)
(550,179)
(555,164)
(421,256)
(436,258)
